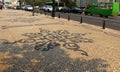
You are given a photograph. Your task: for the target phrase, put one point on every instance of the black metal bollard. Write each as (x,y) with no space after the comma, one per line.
(53,10)
(45,13)
(33,12)
(68,17)
(81,20)
(103,24)
(40,12)
(59,15)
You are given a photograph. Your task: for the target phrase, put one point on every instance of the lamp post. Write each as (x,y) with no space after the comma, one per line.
(53,10)
(33,12)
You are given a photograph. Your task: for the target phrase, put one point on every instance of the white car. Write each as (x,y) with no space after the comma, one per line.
(28,7)
(47,8)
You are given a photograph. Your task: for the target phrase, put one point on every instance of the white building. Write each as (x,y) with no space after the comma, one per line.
(81,2)
(14,2)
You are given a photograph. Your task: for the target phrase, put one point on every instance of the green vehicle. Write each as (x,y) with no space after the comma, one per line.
(103,9)
(119,9)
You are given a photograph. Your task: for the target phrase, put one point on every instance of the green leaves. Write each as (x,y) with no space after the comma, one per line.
(69,3)
(37,2)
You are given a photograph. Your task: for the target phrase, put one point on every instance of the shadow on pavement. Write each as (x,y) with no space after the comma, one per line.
(41,52)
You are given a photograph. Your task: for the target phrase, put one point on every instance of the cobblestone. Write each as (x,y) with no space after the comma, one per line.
(54,47)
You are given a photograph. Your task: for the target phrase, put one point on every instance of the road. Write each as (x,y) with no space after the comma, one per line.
(110,22)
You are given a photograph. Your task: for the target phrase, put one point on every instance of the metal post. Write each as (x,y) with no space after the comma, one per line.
(103,24)
(81,20)
(68,17)
(33,12)
(53,11)
(45,13)
(59,15)
(40,11)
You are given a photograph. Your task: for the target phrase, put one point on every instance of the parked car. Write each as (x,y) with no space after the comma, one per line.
(14,7)
(28,7)
(18,7)
(48,8)
(59,8)
(23,7)
(65,9)
(76,10)
(6,5)
(42,7)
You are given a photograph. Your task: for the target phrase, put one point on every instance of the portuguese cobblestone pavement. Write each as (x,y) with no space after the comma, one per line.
(43,44)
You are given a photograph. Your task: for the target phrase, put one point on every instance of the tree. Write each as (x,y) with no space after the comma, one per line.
(37,2)
(69,3)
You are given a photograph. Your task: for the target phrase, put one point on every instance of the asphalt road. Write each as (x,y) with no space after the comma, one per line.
(110,22)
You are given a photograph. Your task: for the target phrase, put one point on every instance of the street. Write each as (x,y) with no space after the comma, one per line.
(111,22)
(41,43)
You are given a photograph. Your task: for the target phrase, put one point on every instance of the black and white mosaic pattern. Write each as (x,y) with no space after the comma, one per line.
(46,40)
(41,52)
